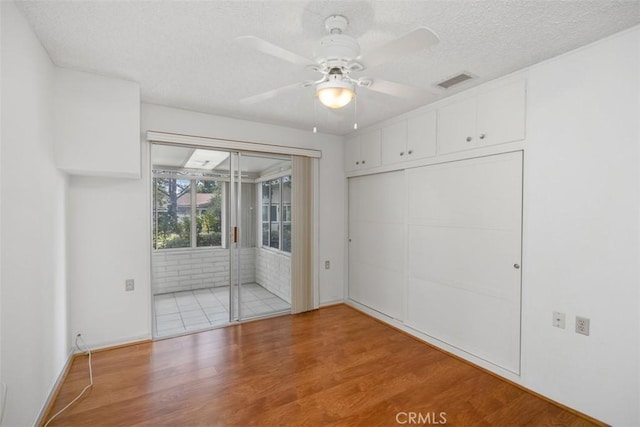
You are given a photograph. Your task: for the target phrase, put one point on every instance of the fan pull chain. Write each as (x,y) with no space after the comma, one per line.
(355,112)
(315,119)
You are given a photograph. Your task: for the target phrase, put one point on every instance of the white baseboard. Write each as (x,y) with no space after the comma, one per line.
(53,390)
(99,345)
(330,303)
(436,343)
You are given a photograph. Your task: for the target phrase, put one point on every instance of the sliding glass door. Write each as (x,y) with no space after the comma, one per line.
(260,232)
(235,228)
(211,264)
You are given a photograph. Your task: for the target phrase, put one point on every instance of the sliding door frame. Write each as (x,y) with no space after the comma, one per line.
(254,149)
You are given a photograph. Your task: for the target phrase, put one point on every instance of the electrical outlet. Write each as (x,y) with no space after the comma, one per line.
(327,265)
(558,319)
(582,325)
(129,285)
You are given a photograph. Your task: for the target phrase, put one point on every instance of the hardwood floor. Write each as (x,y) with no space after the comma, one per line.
(333,366)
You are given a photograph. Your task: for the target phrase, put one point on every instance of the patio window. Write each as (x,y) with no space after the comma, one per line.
(187,213)
(276,213)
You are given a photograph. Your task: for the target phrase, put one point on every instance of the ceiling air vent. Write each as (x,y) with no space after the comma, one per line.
(462,77)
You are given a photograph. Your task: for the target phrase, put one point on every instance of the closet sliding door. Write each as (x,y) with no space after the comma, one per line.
(376,241)
(464,228)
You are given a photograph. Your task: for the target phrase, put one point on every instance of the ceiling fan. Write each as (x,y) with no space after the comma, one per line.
(337,57)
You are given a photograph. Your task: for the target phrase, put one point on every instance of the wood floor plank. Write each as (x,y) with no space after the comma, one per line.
(334,366)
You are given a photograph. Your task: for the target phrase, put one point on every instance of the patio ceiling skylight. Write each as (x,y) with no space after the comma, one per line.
(206,159)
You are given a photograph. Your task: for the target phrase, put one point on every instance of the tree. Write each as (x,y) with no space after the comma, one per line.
(209,222)
(167,192)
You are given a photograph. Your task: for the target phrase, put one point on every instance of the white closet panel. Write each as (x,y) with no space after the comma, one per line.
(376,236)
(464,243)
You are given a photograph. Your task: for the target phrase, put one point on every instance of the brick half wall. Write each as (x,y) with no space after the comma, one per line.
(185,269)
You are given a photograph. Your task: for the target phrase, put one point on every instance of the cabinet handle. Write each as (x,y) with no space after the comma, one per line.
(482,135)
(402,153)
(357,163)
(410,151)
(363,162)
(469,139)
(516,266)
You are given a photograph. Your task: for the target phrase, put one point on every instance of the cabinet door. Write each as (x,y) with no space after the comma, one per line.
(369,149)
(457,126)
(501,115)
(352,154)
(421,136)
(394,143)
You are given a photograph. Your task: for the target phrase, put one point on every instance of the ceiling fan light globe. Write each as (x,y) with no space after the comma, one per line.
(335,94)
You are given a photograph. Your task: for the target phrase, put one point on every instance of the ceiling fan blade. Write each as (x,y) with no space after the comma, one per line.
(396,89)
(418,39)
(273,93)
(273,50)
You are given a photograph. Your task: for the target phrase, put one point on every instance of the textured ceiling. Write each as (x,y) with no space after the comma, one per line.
(183,53)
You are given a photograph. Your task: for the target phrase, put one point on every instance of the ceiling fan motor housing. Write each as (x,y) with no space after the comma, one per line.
(337,47)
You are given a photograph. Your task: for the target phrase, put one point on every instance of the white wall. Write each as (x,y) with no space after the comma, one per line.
(581,229)
(109,242)
(86,107)
(35,333)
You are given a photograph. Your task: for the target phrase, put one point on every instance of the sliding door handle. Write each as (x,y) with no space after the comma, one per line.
(235,234)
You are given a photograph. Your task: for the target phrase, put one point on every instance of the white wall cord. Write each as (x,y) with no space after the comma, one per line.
(86,351)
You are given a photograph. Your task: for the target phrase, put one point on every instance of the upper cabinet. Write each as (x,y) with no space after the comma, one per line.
(362,151)
(393,145)
(96,125)
(493,117)
(410,139)
(421,136)
(482,118)
(501,114)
